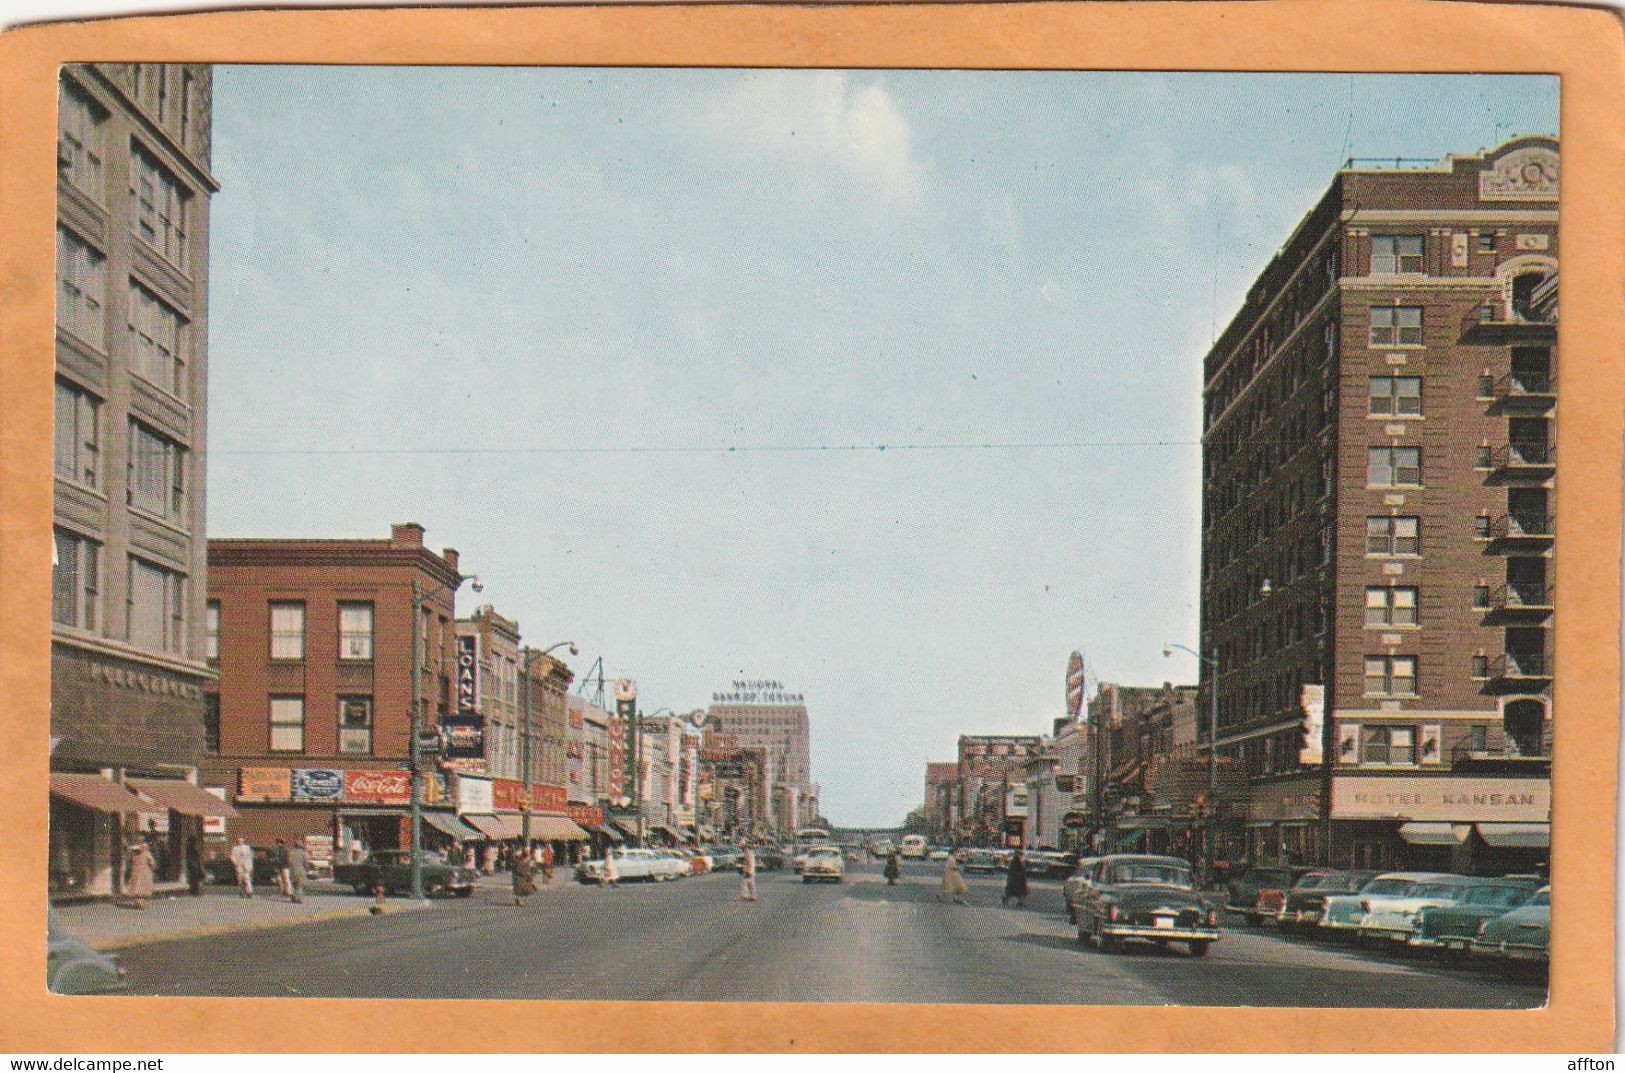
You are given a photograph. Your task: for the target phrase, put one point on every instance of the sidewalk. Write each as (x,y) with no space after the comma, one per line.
(107,926)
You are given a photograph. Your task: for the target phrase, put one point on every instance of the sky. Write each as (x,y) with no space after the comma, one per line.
(882,384)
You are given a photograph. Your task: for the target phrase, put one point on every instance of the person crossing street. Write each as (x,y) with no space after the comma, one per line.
(747,876)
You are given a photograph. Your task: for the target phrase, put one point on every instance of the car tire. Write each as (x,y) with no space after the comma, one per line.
(1071,914)
(1106,944)
(435,888)
(806,879)
(465,892)
(1083,936)
(1198,947)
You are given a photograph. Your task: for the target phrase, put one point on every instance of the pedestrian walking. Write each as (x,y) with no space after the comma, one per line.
(242,859)
(298,861)
(1015,881)
(953,881)
(747,876)
(612,877)
(524,880)
(490,865)
(279,865)
(893,869)
(547,862)
(140,870)
(194,866)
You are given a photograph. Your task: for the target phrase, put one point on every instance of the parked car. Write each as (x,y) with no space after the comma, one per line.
(1136,896)
(74,968)
(221,870)
(1306,901)
(392,870)
(1049,864)
(727,859)
(938,853)
(1343,913)
(1450,929)
(1271,900)
(769,859)
(980,860)
(1241,893)
(1076,885)
(632,863)
(824,863)
(1394,919)
(1521,938)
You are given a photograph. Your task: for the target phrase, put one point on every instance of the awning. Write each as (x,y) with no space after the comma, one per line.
(556,829)
(630,830)
(183,797)
(488,826)
(665,832)
(1434,834)
(1517,835)
(448,824)
(1124,770)
(95,792)
(609,833)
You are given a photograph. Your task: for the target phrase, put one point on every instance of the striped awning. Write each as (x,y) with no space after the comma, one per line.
(448,824)
(492,827)
(183,797)
(95,792)
(1516,835)
(1434,834)
(551,828)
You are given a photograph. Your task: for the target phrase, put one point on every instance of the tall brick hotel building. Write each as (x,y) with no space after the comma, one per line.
(1377,522)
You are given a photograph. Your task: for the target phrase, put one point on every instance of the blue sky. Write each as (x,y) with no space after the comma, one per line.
(631,340)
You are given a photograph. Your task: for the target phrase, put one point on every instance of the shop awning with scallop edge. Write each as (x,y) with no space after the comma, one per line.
(1434,834)
(95,792)
(1517,835)
(447,824)
(488,826)
(556,829)
(183,797)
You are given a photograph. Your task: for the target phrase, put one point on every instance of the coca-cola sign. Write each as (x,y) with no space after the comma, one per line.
(378,787)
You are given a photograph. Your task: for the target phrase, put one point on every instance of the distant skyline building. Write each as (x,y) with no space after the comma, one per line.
(760,713)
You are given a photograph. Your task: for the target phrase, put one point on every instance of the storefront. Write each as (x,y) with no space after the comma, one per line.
(96,819)
(1473,825)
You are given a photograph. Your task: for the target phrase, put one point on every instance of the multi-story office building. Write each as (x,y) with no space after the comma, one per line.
(490,643)
(990,767)
(761,714)
(128,669)
(1378,474)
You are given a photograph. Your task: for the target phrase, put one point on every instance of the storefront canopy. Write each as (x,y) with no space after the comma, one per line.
(609,833)
(183,797)
(630,830)
(488,826)
(1517,835)
(556,829)
(1434,834)
(95,792)
(448,824)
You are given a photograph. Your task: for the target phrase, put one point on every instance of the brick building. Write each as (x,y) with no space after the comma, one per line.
(128,672)
(761,714)
(941,817)
(310,721)
(992,771)
(1377,546)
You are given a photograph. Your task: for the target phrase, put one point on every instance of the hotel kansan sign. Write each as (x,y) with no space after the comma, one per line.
(1442,798)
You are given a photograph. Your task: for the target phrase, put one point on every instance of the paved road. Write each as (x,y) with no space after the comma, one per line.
(859,942)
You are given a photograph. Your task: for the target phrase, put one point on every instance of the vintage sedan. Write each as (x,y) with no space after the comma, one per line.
(1241,893)
(633,863)
(1450,929)
(979,860)
(392,870)
(1521,938)
(1394,919)
(824,864)
(1306,901)
(1343,913)
(74,968)
(1135,896)
(1076,886)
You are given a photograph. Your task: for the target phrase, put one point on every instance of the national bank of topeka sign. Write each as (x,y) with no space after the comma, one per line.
(1442,798)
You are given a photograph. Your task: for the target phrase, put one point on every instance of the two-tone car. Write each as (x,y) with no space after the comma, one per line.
(1241,893)
(825,864)
(1449,930)
(1394,919)
(1519,939)
(979,860)
(1343,913)
(1306,901)
(1143,897)
(392,870)
(634,863)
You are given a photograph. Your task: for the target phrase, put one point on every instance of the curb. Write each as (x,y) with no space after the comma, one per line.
(202,931)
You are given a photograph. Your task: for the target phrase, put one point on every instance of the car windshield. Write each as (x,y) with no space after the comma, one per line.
(1314,881)
(1390,886)
(1496,897)
(1148,872)
(1439,890)
(825,853)
(1272,877)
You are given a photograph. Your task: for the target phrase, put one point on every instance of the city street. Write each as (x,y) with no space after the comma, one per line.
(858,942)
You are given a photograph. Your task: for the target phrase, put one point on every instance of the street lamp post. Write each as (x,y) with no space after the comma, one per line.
(529,654)
(421,596)
(1212,746)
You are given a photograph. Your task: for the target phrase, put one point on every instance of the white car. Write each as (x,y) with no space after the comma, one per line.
(824,863)
(1346,913)
(1396,918)
(938,854)
(630,864)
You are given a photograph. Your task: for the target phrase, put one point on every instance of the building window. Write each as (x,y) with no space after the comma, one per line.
(355,725)
(157,206)
(1390,676)
(156,606)
(211,631)
(186,109)
(1486,242)
(1388,745)
(1390,606)
(1397,396)
(1486,386)
(1481,667)
(287,631)
(211,724)
(355,631)
(75,574)
(1481,527)
(1396,325)
(81,287)
(1393,467)
(77,452)
(79,140)
(287,724)
(157,339)
(1481,597)
(157,469)
(163,93)
(1396,253)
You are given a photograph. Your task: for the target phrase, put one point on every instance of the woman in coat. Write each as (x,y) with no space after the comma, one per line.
(894,868)
(1015,881)
(141,869)
(953,883)
(524,884)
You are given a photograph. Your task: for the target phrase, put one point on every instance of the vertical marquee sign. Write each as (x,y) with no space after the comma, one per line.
(468,674)
(626,708)
(1074,684)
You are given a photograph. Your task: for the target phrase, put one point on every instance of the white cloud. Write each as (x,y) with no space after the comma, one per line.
(825,116)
